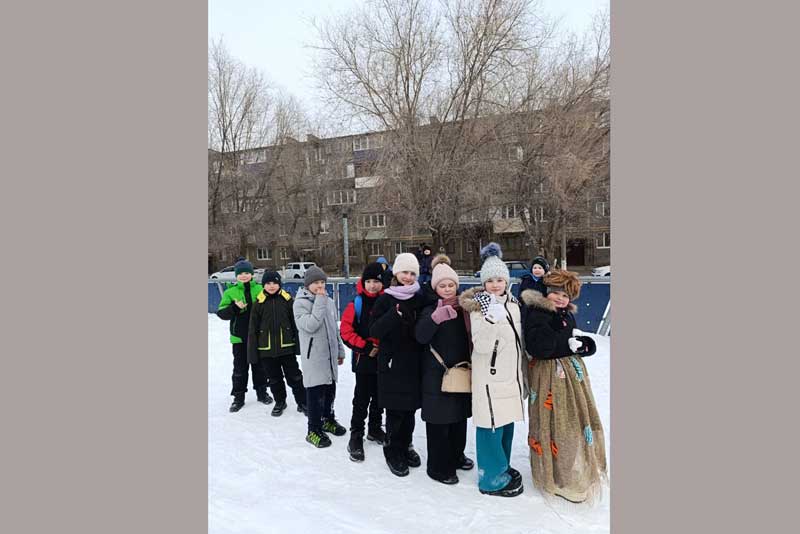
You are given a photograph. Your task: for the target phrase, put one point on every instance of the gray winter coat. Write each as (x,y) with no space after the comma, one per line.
(320,345)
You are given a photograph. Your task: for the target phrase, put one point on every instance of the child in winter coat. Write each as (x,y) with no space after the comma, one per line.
(235,306)
(321,352)
(565,436)
(444,325)
(393,319)
(497,381)
(354,330)
(386,273)
(533,280)
(273,342)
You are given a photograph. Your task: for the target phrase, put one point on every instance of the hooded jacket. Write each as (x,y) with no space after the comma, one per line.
(272,331)
(355,332)
(229,311)
(320,345)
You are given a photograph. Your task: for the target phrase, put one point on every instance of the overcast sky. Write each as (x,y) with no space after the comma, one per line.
(271,34)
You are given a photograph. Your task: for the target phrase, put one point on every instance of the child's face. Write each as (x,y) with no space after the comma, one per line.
(537,270)
(373,286)
(244,277)
(271,288)
(495,286)
(317,287)
(559,298)
(406,278)
(446,289)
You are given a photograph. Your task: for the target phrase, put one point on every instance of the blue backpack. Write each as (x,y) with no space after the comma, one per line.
(358,304)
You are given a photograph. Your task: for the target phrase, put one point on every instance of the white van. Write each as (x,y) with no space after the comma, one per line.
(297,270)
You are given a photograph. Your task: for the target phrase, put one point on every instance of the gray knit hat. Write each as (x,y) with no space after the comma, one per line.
(313,274)
(493,264)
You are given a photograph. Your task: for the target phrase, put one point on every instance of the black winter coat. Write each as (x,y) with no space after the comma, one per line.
(398,352)
(548,329)
(452,341)
(272,331)
(527,282)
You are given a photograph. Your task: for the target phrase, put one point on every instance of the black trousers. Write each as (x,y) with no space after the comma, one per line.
(319,403)
(276,369)
(399,429)
(240,367)
(445,447)
(365,400)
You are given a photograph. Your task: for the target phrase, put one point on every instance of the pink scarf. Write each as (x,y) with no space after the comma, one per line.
(402,292)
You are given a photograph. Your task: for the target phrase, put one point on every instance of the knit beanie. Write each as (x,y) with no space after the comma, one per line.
(242,266)
(442,271)
(313,274)
(566,281)
(373,271)
(493,265)
(271,276)
(406,262)
(539,260)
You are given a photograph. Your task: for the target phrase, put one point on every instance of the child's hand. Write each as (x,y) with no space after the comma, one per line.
(373,352)
(240,304)
(341,360)
(574,344)
(576,333)
(443,313)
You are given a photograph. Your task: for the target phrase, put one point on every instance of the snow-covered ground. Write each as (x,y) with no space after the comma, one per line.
(263,477)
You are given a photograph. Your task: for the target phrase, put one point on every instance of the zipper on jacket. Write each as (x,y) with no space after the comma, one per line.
(308,354)
(491,410)
(492,370)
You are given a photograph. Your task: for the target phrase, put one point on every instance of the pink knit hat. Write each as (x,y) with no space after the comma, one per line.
(442,271)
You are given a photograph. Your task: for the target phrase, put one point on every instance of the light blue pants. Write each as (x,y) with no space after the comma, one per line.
(494,455)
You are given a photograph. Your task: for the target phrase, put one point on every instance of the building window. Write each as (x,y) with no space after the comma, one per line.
(508,212)
(375,249)
(364,142)
(398,248)
(350,170)
(538,214)
(263,254)
(282,229)
(516,153)
(283,207)
(603,209)
(316,206)
(603,240)
(341,197)
(542,187)
(284,254)
(324,226)
(376,220)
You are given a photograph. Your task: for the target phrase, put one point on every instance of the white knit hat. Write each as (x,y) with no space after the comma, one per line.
(406,262)
(493,264)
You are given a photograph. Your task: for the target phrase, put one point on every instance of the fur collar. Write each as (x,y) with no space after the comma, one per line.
(470,304)
(531,297)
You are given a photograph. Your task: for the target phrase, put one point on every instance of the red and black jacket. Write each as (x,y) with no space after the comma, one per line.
(355,333)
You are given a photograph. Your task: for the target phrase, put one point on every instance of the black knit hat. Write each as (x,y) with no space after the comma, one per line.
(271,276)
(243,266)
(372,271)
(539,260)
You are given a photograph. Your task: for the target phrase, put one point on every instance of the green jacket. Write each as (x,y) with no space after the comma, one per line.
(229,311)
(273,332)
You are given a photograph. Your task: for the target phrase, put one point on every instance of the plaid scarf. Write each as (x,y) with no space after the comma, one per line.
(484,298)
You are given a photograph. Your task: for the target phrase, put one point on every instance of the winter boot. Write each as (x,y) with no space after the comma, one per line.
(515,475)
(264,397)
(277,410)
(397,465)
(318,439)
(466,464)
(332,426)
(356,446)
(237,404)
(302,409)
(512,489)
(453,479)
(377,435)
(412,458)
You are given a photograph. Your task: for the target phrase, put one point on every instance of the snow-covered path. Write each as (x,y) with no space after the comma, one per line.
(263,477)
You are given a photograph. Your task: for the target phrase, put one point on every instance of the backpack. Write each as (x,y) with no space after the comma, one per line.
(358,304)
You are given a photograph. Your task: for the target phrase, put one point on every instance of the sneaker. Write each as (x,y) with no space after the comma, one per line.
(465,463)
(356,447)
(302,409)
(280,406)
(236,405)
(318,439)
(412,458)
(453,479)
(515,475)
(398,466)
(377,435)
(333,427)
(512,489)
(264,398)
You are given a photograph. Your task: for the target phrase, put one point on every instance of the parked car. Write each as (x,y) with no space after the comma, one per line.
(297,270)
(602,271)
(225,275)
(516,269)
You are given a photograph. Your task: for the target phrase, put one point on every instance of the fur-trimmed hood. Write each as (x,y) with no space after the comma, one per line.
(531,297)
(470,304)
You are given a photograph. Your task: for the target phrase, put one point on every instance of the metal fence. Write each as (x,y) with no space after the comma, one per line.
(594,303)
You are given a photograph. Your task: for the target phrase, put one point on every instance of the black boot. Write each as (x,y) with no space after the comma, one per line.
(466,464)
(452,479)
(377,435)
(237,404)
(397,465)
(302,409)
(512,489)
(412,458)
(277,410)
(356,446)
(515,475)
(332,426)
(264,397)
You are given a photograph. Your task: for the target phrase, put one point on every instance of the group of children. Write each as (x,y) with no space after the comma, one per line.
(403,337)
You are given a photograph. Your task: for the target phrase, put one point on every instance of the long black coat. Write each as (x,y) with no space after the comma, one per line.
(452,341)
(548,329)
(398,352)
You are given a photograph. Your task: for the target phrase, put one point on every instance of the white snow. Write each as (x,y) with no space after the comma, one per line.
(263,477)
